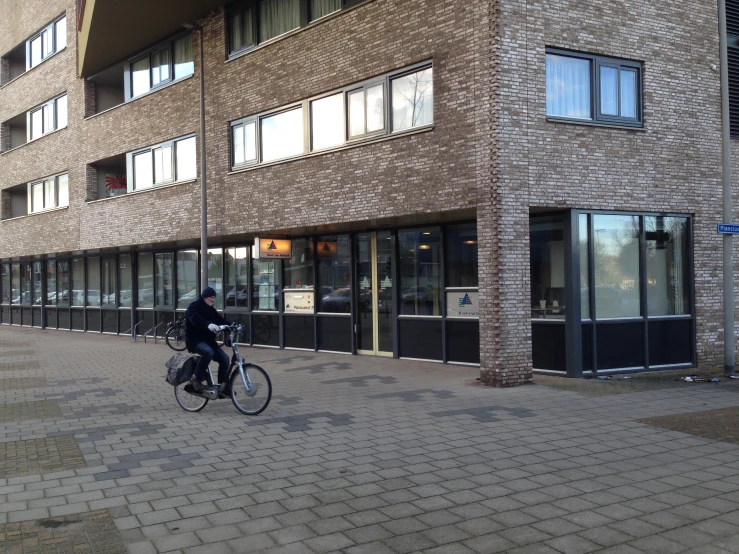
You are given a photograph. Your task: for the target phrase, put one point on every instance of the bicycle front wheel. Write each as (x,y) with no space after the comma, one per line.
(188,402)
(175,338)
(252,397)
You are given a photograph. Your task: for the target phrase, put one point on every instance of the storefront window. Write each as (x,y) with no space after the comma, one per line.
(461,255)
(62,275)
(668,275)
(37,283)
(5,283)
(334,284)
(187,277)
(15,283)
(124,280)
(265,293)
(93,281)
(420,271)
(215,274)
(298,270)
(547,268)
(146,281)
(27,286)
(237,274)
(78,282)
(51,299)
(616,262)
(584,268)
(109,274)
(163,279)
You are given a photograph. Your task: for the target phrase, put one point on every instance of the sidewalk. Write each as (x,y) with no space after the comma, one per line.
(354,455)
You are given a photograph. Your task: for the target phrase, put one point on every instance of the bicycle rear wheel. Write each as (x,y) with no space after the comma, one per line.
(188,402)
(175,338)
(251,400)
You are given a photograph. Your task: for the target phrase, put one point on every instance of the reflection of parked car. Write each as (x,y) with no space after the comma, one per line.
(237,296)
(338,301)
(418,294)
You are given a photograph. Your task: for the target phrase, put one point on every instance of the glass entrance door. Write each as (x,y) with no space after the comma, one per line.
(374,293)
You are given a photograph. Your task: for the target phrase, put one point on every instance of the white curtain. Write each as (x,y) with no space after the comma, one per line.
(277,17)
(628,93)
(319,8)
(183,61)
(568,87)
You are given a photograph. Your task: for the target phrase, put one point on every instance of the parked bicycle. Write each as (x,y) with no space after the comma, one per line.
(249,386)
(175,335)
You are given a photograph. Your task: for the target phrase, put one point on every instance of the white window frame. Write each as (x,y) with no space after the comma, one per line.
(47,205)
(385,80)
(57,45)
(169,46)
(175,178)
(50,120)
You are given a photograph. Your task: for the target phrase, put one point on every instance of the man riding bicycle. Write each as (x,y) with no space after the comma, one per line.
(202,322)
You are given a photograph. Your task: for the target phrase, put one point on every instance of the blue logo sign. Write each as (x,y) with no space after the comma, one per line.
(727,229)
(465,301)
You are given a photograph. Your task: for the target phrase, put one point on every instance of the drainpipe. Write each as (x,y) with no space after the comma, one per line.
(729,344)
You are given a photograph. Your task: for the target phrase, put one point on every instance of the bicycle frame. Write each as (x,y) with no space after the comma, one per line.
(235,331)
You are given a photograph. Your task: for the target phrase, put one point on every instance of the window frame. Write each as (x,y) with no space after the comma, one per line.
(385,79)
(42,183)
(167,45)
(173,145)
(50,30)
(596,62)
(53,105)
(253,5)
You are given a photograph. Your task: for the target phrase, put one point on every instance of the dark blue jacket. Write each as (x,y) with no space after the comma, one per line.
(197,318)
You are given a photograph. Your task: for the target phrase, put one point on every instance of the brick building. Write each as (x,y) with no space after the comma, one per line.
(520,186)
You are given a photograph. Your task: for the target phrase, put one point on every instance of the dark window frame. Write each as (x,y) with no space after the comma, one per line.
(596,62)
(253,5)
(385,79)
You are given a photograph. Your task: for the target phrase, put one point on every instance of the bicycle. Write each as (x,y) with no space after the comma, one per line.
(175,335)
(249,386)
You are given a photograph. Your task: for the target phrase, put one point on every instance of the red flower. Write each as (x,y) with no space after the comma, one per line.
(116,182)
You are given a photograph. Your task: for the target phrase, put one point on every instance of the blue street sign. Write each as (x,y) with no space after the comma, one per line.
(727,229)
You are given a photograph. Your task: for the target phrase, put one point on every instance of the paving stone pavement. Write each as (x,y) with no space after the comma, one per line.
(353,455)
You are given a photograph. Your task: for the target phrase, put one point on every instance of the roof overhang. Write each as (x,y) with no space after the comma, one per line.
(111,30)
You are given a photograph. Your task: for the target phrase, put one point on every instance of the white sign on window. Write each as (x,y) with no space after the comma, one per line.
(299,302)
(462,304)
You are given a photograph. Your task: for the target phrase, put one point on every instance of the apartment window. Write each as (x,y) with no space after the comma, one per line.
(412,100)
(160,66)
(257,21)
(47,42)
(584,87)
(282,135)
(48,117)
(48,193)
(169,162)
(327,122)
(366,110)
(356,112)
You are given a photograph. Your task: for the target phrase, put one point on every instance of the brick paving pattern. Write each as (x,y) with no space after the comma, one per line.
(368,455)
(20,366)
(93,532)
(23,411)
(23,383)
(38,456)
